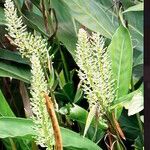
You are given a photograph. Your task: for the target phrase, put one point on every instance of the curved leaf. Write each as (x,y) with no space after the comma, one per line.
(92,15)
(66,32)
(89,119)
(15,71)
(12,56)
(136,104)
(16,127)
(124,100)
(80,115)
(98,17)
(76,141)
(121,53)
(4,107)
(135,24)
(138,7)
(35,21)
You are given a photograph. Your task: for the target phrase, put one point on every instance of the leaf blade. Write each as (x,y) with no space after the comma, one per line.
(15,71)
(121,64)
(15,127)
(4,107)
(138,7)
(91,14)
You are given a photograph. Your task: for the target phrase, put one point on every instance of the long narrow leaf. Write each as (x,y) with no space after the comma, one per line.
(15,71)
(4,107)
(15,127)
(121,53)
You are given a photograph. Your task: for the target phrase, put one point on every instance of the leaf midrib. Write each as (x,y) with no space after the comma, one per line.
(119,69)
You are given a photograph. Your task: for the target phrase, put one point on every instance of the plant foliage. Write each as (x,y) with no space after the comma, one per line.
(85,56)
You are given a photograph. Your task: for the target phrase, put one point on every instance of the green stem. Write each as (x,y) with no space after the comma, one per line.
(66,72)
(13,146)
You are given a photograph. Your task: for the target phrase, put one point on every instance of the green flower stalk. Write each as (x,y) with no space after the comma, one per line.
(95,71)
(34,48)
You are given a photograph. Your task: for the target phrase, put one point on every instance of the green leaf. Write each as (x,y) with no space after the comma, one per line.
(128,3)
(124,100)
(78,96)
(68,91)
(105,3)
(61,97)
(138,144)
(135,21)
(135,24)
(15,127)
(66,32)
(89,119)
(121,53)
(138,7)
(129,125)
(76,141)
(35,22)
(137,72)
(138,60)
(61,79)
(80,115)
(36,2)
(92,15)
(5,110)
(2,16)
(136,105)
(19,3)
(98,17)
(15,71)
(12,56)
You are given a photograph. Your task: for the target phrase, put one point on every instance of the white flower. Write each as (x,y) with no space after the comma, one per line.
(43,126)
(27,43)
(95,70)
(34,48)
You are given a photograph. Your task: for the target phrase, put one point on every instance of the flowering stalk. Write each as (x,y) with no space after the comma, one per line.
(34,48)
(43,126)
(95,72)
(26,42)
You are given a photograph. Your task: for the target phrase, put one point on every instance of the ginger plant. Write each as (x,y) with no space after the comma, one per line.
(34,47)
(98,82)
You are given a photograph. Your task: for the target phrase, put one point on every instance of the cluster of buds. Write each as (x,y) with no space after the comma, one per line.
(95,71)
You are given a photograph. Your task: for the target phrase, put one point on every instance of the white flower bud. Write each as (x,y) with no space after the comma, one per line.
(95,70)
